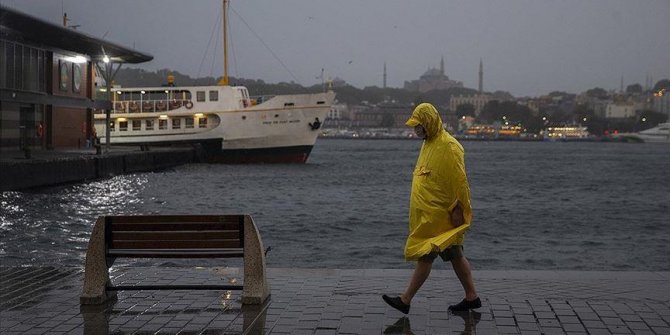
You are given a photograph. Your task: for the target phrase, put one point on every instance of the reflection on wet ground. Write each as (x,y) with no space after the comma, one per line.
(470,320)
(316,301)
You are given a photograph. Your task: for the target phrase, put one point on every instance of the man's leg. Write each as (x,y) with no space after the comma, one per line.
(462,268)
(421,272)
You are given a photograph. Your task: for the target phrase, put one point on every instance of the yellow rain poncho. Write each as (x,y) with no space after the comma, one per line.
(439,183)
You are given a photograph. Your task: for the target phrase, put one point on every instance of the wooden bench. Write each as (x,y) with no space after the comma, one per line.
(174,236)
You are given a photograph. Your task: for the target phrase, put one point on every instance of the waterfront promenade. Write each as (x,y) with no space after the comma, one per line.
(328,301)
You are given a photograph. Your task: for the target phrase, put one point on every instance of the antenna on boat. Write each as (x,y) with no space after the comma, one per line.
(224,80)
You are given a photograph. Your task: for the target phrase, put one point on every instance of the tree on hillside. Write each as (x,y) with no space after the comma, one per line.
(387,120)
(465,110)
(597,93)
(634,89)
(664,83)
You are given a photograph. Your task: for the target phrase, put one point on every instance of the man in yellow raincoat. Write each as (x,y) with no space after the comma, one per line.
(440,210)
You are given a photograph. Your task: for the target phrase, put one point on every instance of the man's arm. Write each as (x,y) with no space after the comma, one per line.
(456,214)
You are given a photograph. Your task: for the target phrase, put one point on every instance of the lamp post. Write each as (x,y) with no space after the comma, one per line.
(108,73)
(108,111)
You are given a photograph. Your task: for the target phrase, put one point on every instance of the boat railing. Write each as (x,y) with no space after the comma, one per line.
(150,106)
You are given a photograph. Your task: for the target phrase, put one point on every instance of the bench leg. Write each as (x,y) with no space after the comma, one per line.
(96,274)
(256,288)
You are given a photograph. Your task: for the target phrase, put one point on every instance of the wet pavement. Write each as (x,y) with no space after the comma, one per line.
(323,301)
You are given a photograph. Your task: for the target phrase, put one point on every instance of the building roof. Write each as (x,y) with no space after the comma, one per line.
(29,29)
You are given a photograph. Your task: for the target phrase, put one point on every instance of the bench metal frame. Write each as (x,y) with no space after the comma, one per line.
(106,244)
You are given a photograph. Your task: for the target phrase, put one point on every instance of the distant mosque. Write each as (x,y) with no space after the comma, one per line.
(433,79)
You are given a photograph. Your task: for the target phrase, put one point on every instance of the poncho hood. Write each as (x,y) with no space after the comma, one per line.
(426,115)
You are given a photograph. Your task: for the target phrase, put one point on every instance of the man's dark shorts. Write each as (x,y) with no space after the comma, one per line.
(454,251)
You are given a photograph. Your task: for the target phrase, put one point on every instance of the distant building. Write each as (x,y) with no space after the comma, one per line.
(47,76)
(433,79)
(477,100)
(660,102)
(598,105)
(620,110)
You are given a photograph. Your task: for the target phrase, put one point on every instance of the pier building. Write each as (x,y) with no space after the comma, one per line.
(47,81)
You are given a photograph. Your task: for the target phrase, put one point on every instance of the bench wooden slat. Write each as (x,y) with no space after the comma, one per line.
(175,235)
(177,253)
(174,287)
(174,226)
(175,218)
(179,244)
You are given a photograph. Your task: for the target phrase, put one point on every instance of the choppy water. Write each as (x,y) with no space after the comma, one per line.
(578,206)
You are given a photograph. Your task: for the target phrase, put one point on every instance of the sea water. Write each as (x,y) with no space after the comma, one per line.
(537,205)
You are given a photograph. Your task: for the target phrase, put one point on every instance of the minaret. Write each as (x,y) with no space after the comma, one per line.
(481,76)
(442,65)
(384,74)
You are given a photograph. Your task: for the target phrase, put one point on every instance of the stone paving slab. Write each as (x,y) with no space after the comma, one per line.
(326,301)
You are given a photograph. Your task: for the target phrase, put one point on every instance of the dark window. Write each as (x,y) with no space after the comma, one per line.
(123,126)
(202,122)
(188,122)
(41,73)
(18,66)
(176,123)
(149,125)
(162,124)
(9,65)
(200,96)
(137,124)
(213,95)
(3,64)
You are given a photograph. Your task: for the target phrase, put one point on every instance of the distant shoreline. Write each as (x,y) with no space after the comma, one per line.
(484,139)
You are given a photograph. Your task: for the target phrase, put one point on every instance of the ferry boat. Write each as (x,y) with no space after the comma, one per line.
(566,133)
(279,129)
(232,126)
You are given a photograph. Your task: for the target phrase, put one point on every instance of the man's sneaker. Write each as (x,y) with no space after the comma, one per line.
(466,305)
(396,303)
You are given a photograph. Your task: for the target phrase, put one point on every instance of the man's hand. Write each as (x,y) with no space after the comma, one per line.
(457,218)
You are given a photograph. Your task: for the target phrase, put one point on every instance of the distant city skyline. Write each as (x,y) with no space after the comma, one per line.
(529,48)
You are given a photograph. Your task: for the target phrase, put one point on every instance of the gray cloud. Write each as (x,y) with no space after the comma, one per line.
(528,47)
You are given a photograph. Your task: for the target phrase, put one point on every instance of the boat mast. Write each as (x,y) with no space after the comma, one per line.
(224,80)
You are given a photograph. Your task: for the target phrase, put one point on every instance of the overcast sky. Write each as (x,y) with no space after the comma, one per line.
(529,47)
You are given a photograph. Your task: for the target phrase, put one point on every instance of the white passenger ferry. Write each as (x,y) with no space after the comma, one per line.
(232,126)
(278,129)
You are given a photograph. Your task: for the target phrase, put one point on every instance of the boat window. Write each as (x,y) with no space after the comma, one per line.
(137,124)
(188,122)
(289,104)
(162,124)
(202,122)
(134,106)
(112,126)
(149,124)
(320,102)
(200,95)
(176,123)
(123,126)
(213,95)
